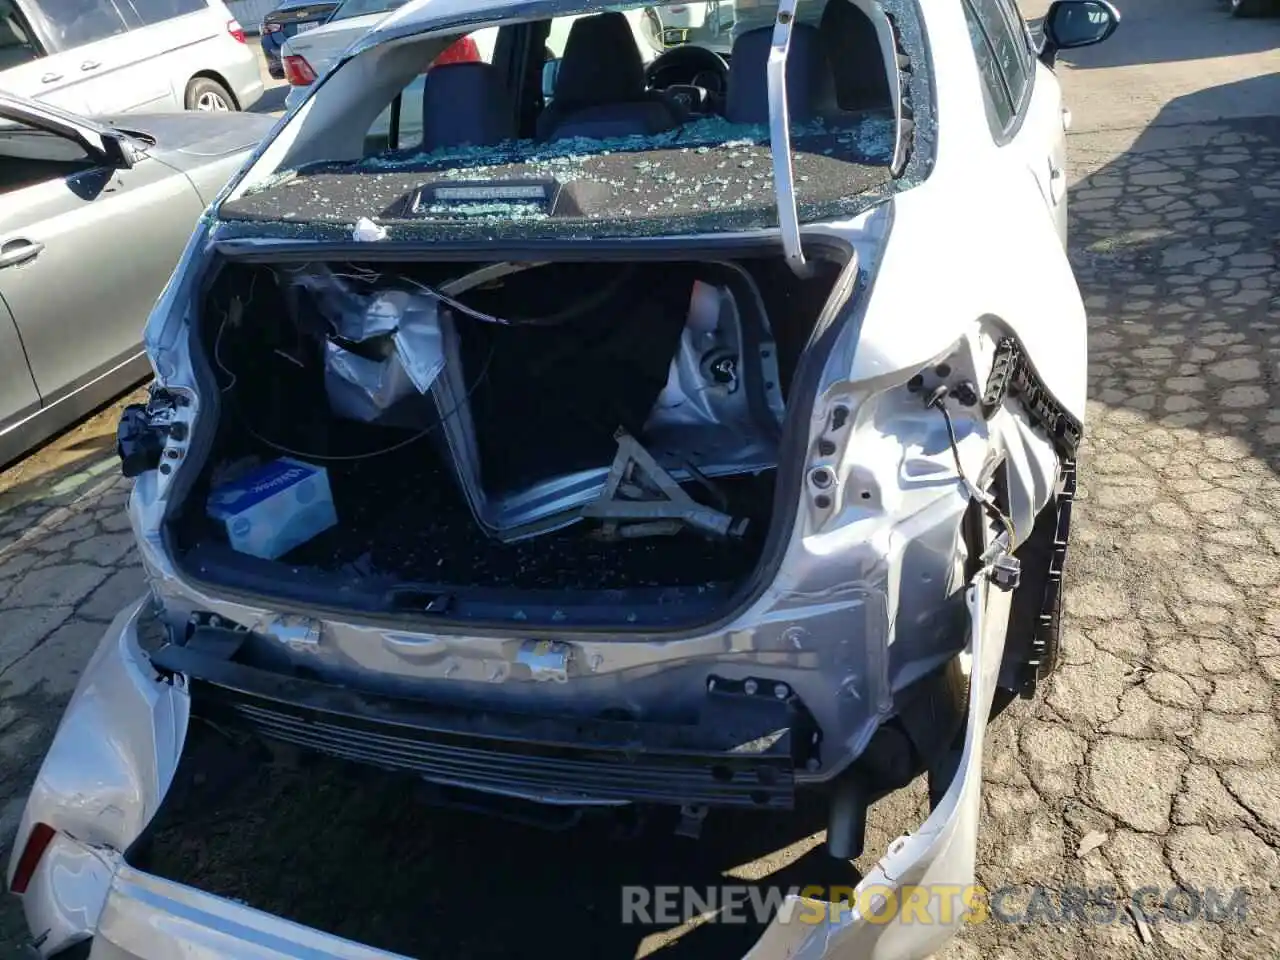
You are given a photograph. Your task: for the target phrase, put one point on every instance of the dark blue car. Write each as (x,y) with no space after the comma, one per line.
(292,16)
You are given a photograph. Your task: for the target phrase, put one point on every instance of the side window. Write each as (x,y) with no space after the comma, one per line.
(29,156)
(994,92)
(17,44)
(1001,44)
(1008,33)
(78,22)
(156,11)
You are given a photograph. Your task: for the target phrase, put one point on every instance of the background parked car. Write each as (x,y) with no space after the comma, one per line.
(290,18)
(122,56)
(93,217)
(307,56)
(705,21)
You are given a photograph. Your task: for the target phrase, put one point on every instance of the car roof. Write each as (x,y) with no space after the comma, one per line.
(425,15)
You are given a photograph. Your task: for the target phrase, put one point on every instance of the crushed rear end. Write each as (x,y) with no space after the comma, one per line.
(601,526)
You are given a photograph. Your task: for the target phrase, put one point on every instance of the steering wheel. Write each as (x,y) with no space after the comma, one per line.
(704,75)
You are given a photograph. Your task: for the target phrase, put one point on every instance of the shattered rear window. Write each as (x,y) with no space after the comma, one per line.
(707,174)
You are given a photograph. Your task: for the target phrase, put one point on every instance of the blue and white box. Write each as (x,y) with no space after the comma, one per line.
(274,508)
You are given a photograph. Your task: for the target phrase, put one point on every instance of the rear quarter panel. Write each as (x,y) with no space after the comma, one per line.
(975,240)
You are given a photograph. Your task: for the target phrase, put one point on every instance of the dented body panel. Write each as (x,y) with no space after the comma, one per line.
(84,889)
(907,428)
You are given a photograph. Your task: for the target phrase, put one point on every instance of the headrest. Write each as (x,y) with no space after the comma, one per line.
(466,103)
(854,53)
(808,79)
(601,62)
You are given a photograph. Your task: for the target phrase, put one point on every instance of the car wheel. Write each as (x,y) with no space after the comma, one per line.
(209,96)
(1251,8)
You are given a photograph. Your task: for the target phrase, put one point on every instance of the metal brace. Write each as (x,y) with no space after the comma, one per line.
(1006,572)
(780,139)
(666,508)
(692,816)
(1003,568)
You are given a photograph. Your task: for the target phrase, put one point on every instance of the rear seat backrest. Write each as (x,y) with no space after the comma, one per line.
(855,58)
(466,103)
(838,65)
(808,76)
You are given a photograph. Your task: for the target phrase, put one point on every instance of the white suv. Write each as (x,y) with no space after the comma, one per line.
(127,56)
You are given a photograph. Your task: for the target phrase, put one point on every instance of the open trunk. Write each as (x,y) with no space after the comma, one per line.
(569,442)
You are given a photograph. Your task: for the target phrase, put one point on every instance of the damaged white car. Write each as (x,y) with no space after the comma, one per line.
(686,435)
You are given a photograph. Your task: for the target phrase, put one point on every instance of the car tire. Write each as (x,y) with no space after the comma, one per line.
(1251,8)
(209,96)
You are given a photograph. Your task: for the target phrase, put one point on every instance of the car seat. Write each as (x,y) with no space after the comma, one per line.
(600,88)
(466,103)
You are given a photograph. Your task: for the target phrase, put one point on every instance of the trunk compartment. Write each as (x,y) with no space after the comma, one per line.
(467,500)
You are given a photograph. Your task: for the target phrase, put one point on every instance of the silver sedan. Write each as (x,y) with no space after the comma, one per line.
(93,219)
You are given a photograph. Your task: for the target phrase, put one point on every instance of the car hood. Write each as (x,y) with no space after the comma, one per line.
(187,139)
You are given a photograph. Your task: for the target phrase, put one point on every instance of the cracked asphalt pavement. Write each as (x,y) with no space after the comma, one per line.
(1151,759)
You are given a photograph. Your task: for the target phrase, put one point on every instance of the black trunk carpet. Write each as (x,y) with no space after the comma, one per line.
(406,518)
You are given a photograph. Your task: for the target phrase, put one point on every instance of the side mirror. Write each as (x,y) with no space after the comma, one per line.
(1070,24)
(122,152)
(550,70)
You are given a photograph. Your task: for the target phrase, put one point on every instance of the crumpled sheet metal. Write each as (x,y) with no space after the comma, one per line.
(721,410)
(936,861)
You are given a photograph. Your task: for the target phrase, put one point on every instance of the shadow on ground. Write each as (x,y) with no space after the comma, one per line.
(272,100)
(372,859)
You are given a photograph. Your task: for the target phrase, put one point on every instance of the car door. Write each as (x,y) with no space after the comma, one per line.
(30,65)
(18,396)
(1023,99)
(1046,120)
(162,43)
(105,50)
(86,245)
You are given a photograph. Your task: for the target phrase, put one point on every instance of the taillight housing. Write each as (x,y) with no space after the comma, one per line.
(272,27)
(236,31)
(37,843)
(462,51)
(297,71)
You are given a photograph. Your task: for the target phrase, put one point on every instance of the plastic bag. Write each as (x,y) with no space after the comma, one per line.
(365,385)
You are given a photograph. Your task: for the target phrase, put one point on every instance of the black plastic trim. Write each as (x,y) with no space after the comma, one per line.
(1013,375)
(738,754)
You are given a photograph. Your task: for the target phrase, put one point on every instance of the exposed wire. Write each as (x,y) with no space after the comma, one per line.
(589,302)
(367,275)
(217,344)
(347,458)
(937,400)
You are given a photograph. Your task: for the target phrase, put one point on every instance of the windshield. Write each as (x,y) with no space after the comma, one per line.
(634,120)
(716,23)
(363,8)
